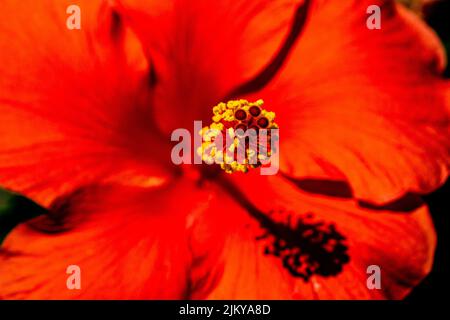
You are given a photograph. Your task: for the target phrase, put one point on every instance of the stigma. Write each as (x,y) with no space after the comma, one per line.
(240,136)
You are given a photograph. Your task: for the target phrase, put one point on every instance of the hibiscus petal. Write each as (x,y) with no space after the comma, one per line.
(366,106)
(72,106)
(129,243)
(203,49)
(347,240)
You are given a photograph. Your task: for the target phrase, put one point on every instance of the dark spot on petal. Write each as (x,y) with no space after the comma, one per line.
(304,245)
(152,77)
(116,25)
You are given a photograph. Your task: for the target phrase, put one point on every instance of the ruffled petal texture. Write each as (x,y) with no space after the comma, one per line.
(129,243)
(369,107)
(335,243)
(72,102)
(201,50)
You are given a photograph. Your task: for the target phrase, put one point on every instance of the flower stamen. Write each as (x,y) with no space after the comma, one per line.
(239,122)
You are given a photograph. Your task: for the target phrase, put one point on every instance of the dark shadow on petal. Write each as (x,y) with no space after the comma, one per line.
(116,25)
(152,75)
(331,188)
(341,189)
(7,254)
(407,203)
(60,217)
(269,72)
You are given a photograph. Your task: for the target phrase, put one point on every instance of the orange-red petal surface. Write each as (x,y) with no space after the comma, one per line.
(400,243)
(366,106)
(71,103)
(129,243)
(203,49)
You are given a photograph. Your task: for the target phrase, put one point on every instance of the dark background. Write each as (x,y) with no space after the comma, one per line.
(435,285)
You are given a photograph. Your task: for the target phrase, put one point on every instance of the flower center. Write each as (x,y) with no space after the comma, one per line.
(239,137)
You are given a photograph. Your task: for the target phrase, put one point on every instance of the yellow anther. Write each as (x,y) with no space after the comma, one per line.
(229,117)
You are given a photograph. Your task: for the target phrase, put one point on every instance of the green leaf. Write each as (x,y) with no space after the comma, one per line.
(15,209)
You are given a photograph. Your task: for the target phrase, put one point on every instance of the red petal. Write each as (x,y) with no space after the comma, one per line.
(364,105)
(129,244)
(203,49)
(401,244)
(72,107)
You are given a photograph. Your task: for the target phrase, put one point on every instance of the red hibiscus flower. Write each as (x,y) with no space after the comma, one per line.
(85,132)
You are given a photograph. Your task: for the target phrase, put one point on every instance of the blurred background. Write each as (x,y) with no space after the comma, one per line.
(15,209)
